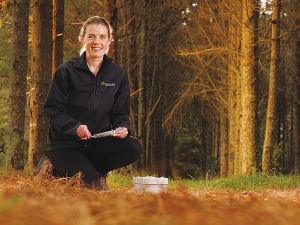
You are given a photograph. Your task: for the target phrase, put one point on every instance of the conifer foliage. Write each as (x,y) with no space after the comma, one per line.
(214,84)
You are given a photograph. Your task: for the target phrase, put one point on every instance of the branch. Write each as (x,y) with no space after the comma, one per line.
(149,116)
(126,24)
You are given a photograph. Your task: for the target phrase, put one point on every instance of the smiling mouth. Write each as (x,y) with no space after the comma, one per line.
(96,48)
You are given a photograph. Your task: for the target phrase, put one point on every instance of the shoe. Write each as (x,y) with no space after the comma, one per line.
(103,182)
(45,167)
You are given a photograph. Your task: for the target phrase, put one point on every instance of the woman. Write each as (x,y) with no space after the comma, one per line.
(88,95)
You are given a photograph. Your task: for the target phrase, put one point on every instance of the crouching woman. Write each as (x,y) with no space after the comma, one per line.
(88,95)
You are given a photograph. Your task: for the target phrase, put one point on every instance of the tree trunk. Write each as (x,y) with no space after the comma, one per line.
(297,106)
(209,137)
(224,145)
(57,32)
(142,75)
(17,85)
(237,155)
(232,101)
(132,66)
(238,109)
(271,111)
(282,110)
(217,138)
(247,84)
(110,14)
(294,132)
(41,70)
(203,154)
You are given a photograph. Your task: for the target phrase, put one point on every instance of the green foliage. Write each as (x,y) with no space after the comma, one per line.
(4,91)
(254,182)
(277,156)
(191,143)
(70,54)
(5,40)
(117,180)
(261,138)
(188,148)
(213,165)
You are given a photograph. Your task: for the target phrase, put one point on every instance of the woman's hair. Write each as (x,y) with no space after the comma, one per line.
(93,20)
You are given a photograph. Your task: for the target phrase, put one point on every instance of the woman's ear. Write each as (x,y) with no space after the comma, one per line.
(110,40)
(81,39)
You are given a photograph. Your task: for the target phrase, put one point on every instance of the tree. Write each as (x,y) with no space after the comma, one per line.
(295,45)
(274,71)
(41,74)
(58,34)
(17,85)
(231,102)
(247,86)
(142,87)
(224,145)
(110,14)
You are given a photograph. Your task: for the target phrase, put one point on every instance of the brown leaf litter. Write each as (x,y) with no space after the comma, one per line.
(65,201)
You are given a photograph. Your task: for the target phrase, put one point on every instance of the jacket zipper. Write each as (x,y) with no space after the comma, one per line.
(94,102)
(95,95)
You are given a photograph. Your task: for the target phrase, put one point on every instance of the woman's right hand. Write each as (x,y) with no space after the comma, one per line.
(83,132)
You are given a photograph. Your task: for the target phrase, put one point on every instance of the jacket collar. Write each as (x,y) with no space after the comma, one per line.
(80,62)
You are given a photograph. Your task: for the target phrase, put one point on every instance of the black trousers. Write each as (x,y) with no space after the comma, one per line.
(103,155)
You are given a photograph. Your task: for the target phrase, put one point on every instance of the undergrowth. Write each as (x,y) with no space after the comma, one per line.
(256,182)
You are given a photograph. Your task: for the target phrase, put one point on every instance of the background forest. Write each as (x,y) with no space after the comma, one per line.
(214,84)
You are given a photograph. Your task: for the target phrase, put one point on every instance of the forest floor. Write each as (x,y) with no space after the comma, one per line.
(60,202)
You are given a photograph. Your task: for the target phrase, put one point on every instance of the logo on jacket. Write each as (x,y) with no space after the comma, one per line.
(108,84)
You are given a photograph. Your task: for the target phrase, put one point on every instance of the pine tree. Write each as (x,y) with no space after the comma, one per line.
(41,74)
(17,85)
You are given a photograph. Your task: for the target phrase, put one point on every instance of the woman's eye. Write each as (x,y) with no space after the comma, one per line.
(91,36)
(102,37)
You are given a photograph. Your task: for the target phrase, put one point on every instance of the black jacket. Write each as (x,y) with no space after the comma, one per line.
(76,97)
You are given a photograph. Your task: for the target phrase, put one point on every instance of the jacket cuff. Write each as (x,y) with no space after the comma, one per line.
(73,131)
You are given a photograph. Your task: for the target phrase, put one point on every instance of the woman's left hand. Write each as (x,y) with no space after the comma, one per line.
(121,132)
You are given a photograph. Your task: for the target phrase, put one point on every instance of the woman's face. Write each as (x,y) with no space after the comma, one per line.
(96,40)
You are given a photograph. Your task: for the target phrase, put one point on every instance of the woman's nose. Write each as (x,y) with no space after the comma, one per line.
(97,39)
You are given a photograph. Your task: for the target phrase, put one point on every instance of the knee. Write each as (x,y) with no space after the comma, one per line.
(136,148)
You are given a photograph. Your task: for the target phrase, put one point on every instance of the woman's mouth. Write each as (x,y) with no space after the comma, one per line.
(96,48)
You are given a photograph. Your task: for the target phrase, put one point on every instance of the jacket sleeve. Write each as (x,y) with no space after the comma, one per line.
(56,105)
(119,115)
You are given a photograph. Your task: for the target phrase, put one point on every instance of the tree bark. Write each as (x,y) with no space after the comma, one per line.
(110,14)
(57,32)
(132,65)
(271,111)
(294,132)
(203,154)
(41,74)
(142,76)
(282,115)
(238,155)
(247,84)
(297,93)
(17,85)
(232,101)
(224,145)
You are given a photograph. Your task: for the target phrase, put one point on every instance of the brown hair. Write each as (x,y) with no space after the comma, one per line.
(93,20)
